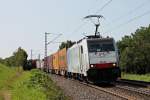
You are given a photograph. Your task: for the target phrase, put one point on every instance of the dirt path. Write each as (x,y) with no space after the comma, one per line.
(6,95)
(5,92)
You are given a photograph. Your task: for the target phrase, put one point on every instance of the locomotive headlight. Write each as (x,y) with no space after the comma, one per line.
(92,65)
(114,64)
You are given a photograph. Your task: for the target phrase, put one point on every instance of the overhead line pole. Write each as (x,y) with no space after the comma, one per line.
(45,58)
(31,54)
(46,44)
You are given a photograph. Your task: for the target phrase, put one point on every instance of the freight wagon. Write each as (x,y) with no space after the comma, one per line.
(57,62)
(62,60)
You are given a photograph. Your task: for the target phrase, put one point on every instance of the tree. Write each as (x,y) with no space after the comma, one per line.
(19,58)
(1,60)
(66,44)
(135,51)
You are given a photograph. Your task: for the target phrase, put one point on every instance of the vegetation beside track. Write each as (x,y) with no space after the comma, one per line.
(5,74)
(135,52)
(27,85)
(145,77)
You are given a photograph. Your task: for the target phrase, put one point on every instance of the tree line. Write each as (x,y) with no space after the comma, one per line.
(18,59)
(135,51)
(67,44)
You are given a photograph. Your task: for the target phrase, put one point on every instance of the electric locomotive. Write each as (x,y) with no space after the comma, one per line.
(94,59)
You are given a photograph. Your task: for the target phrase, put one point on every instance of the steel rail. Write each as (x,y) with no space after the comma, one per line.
(116,93)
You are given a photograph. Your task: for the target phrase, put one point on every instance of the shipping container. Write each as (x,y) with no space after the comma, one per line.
(55,63)
(50,62)
(62,59)
(73,59)
(40,64)
(46,64)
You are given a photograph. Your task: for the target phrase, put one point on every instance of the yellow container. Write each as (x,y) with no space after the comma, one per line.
(55,61)
(62,59)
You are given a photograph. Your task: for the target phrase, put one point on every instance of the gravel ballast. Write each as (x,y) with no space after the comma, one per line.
(76,91)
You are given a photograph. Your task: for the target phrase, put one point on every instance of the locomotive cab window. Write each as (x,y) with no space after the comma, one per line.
(100,46)
(108,47)
(81,49)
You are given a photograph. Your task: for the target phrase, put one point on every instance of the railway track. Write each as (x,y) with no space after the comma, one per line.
(145,92)
(124,92)
(127,93)
(119,91)
(107,91)
(139,87)
(134,82)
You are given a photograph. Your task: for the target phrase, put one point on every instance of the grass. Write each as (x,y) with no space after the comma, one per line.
(5,74)
(145,77)
(27,85)
(21,91)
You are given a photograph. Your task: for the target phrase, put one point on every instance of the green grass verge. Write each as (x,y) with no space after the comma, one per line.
(145,77)
(36,85)
(21,91)
(5,74)
(28,85)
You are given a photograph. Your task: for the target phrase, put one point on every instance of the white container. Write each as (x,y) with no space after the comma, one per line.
(39,64)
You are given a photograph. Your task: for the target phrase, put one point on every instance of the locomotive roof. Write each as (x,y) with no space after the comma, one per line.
(96,38)
(99,38)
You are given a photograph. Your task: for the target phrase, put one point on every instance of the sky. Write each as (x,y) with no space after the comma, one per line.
(24,22)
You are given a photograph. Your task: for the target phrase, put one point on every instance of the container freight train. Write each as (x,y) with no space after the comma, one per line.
(92,59)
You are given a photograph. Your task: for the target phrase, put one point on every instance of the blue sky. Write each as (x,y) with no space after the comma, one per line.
(24,22)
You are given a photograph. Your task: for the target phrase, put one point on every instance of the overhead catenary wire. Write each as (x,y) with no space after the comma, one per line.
(83,24)
(106,4)
(130,20)
(58,35)
(123,16)
(93,7)
(128,13)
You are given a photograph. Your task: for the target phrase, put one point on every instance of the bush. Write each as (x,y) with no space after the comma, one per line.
(42,81)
